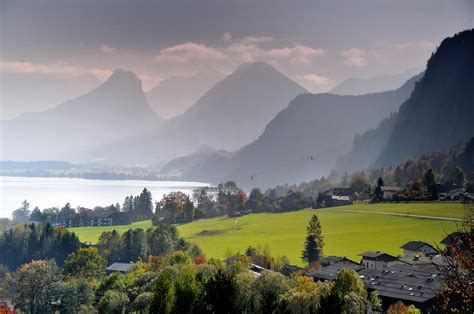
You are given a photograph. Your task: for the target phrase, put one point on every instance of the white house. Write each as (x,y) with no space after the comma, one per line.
(389,191)
(418,248)
(378,260)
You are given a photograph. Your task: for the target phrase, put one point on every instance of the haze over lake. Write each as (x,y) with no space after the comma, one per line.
(49,192)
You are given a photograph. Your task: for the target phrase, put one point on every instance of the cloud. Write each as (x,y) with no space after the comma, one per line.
(107,49)
(314,82)
(236,51)
(354,57)
(416,50)
(227,36)
(57,68)
(409,54)
(188,52)
(298,54)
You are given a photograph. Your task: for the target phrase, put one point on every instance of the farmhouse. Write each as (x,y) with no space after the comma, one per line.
(416,260)
(452,240)
(417,285)
(99,218)
(122,268)
(377,260)
(330,270)
(388,192)
(418,248)
(335,197)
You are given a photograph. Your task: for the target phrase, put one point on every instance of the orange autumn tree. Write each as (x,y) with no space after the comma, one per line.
(458,288)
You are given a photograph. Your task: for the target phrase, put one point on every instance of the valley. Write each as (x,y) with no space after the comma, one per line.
(345,233)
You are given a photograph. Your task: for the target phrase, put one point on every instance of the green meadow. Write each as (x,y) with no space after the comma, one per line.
(345,233)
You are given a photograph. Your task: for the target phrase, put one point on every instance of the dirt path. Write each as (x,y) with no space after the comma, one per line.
(391,214)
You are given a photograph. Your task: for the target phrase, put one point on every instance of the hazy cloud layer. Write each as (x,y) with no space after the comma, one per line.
(316,43)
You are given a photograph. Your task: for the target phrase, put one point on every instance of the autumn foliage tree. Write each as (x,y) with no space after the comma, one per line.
(458,272)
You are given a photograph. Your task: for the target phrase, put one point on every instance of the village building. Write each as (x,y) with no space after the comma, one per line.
(99,219)
(437,260)
(417,285)
(388,192)
(335,197)
(418,248)
(122,268)
(332,267)
(377,260)
(452,240)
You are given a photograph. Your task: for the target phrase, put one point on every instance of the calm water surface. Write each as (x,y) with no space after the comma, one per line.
(49,192)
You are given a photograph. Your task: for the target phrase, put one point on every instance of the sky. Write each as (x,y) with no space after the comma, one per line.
(316,43)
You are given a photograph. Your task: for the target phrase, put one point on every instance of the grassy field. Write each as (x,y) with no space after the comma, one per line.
(346,234)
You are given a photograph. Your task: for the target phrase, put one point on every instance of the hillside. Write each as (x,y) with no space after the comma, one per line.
(437,116)
(303,140)
(360,86)
(230,115)
(115,109)
(176,94)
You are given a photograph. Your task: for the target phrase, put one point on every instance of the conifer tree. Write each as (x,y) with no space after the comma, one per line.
(313,248)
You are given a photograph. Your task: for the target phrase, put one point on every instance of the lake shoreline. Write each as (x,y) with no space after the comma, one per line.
(47,192)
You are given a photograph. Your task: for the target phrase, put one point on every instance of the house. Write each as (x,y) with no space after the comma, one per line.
(455,194)
(418,248)
(99,218)
(330,271)
(388,192)
(290,270)
(416,260)
(331,259)
(335,197)
(377,260)
(417,285)
(122,268)
(453,240)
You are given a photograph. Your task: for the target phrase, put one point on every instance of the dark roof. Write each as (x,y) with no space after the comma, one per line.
(340,192)
(416,245)
(378,256)
(328,260)
(437,260)
(330,272)
(101,214)
(121,267)
(404,282)
(453,238)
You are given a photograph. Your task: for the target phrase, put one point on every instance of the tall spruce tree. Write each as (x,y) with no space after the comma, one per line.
(313,248)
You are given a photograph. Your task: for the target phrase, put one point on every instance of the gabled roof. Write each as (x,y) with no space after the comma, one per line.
(416,245)
(437,260)
(121,267)
(453,238)
(101,214)
(404,282)
(330,272)
(378,256)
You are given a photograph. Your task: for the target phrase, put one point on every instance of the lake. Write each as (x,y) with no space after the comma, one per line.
(49,192)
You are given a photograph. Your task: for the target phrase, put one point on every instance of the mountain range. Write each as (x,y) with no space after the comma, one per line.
(176,94)
(233,113)
(438,115)
(115,109)
(303,141)
(361,86)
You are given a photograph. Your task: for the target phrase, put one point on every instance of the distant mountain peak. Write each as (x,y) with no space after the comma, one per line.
(123,79)
(257,66)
